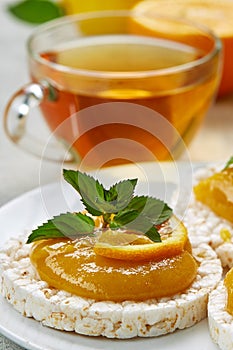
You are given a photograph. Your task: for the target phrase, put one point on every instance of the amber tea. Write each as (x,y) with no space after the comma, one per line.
(106,66)
(182,101)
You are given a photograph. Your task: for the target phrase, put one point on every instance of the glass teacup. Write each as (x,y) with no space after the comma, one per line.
(112,91)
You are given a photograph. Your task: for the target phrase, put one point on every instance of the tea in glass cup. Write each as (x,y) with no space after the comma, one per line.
(107,88)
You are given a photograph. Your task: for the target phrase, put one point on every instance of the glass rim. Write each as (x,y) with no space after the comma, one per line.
(43,28)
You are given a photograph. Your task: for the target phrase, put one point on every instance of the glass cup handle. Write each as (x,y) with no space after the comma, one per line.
(15,119)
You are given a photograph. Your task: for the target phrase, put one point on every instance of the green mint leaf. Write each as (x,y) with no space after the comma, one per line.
(96,199)
(145,226)
(123,218)
(154,209)
(90,190)
(121,194)
(153,234)
(133,220)
(229,163)
(69,225)
(35,11)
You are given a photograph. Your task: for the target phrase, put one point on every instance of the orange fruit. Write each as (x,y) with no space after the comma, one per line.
(75,6)
(217,15)
(217,193)
(97,25)
(133,247)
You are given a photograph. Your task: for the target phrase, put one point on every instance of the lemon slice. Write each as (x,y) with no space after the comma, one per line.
(130,246)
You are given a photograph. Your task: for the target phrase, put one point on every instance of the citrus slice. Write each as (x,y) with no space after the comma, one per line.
(217,193)
(216,15)
(130,246)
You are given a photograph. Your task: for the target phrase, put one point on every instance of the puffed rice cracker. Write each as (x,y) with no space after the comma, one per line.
(204,226)
(22,287)
(220,321)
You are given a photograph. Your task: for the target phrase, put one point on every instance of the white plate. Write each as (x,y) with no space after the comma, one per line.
(35,207)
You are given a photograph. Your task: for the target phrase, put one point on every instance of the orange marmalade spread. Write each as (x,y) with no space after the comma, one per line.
(73,266)
(228,282)
(216,192)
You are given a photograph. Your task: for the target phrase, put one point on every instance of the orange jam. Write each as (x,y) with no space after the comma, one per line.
(217,193)
(73,266)
(228,282)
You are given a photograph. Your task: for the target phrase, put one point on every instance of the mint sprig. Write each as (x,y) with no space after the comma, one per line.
(117,206)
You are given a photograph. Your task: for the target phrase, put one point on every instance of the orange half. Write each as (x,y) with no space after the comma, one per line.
(215,14)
